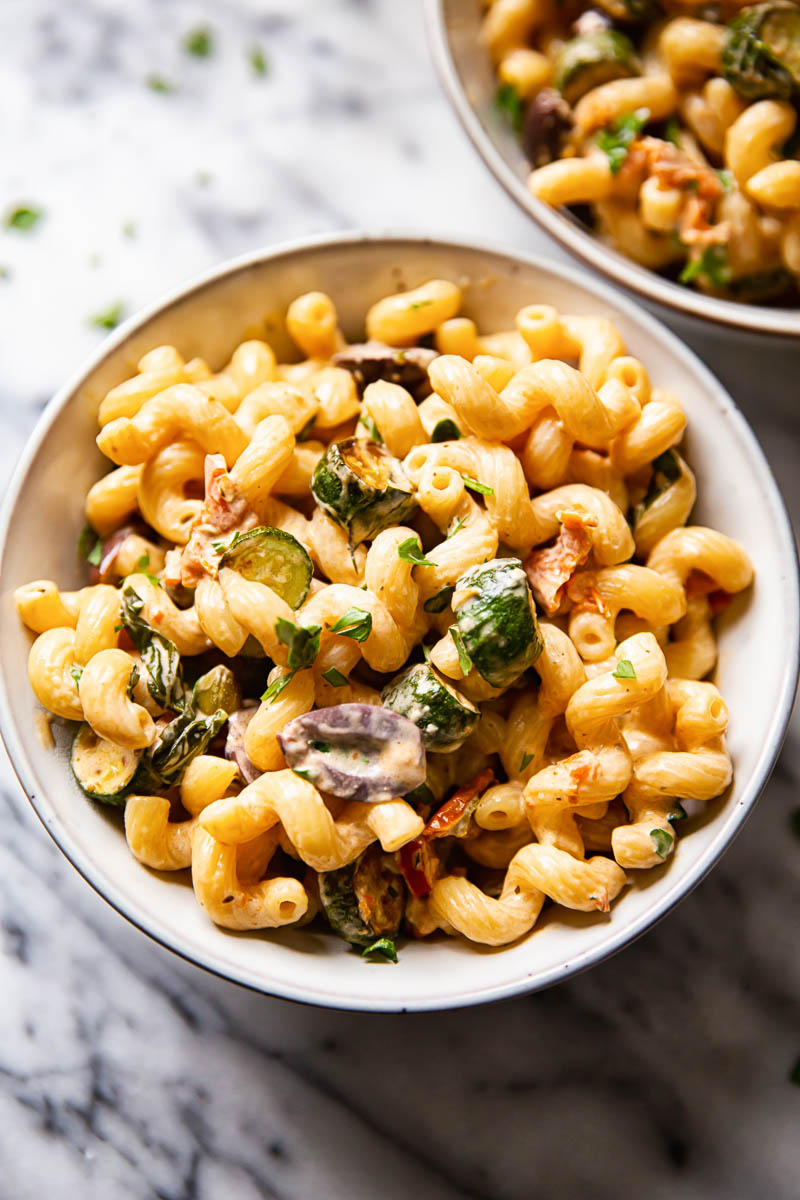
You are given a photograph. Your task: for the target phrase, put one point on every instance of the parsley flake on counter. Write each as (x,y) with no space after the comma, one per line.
(616,140)
(199,42)
(258,61)
(23,218)
(129,229)
(157,83)
(109,319)
(383,946)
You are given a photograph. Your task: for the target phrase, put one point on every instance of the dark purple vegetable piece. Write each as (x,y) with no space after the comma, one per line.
(104,572)
(371,361)
(548,120)
(234,743)
(357,751)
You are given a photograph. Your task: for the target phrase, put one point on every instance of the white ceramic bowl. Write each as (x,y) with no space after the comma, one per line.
(469,80)
(43,513)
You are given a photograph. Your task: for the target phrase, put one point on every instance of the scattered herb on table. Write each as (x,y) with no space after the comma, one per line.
(23,218)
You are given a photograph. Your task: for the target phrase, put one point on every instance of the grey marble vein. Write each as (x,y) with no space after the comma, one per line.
(125,1072)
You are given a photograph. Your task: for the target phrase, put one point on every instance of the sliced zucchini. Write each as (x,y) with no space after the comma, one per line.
(218,688)
(274,557)
(496,617)
(104,771)
(594,58)
(761,53)
(365,899)
(444,717)
(363,488)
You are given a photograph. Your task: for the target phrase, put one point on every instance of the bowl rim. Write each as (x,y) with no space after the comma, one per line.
(683,883)
(752,318)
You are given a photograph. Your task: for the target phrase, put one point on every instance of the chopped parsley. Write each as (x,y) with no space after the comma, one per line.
(616,140)
(475,486)
(129,229)
(110,318)
(141,569)
(440,601)
(426,653)
(275,688)
(90,546)
(335,678)
(199,42)
(302,640)
(445,430)
(712,266)
(726,179)
(410,551)
(323,747)
(452,532)
(508,100)
(384,947)
(662,841)
(23,218)
(464,660)
(76,672)
(672,131)
(677,813)
(221,547)
(527,759)
(624,669)
(355,624)
(258,61)
(372,429)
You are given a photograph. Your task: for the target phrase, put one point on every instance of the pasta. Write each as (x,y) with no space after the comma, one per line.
(394,637)
(675,122)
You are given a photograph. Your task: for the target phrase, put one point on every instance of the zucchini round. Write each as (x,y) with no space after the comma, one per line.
(365,899)
(444,717)
(274,557)
(496,617)
(363,488)
(761,53)
(592,59)
(104,771)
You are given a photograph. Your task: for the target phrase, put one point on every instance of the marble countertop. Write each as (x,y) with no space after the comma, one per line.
(126,1073)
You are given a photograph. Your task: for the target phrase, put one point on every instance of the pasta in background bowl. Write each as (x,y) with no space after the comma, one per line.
(338,479)
(677,180)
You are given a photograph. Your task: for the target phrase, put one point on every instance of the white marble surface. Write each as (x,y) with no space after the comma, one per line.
(123,1071)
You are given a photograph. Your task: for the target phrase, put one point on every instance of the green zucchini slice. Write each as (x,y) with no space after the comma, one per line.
(363,488)
(274,557)
(496,616)
(594,58)
(444,717)
(761,53)
(365,899)
(104,771)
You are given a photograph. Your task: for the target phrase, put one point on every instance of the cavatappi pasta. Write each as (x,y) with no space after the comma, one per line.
(673,123)
(410,635)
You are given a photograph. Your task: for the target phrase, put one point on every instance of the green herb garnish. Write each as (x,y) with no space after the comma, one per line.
(302,640)
(624,669)
(726,179)
(355,624)
(464,660)
(157,83)
(527,758)
(445,430)
(276,687)
(475,486)
(110,318)
(458,525)
(372,429)
(335,678)
(140,568)
(712,265)
(417,304)
(258,60)
(90,546)
(616,140)
(199,42)
(411,551)
(677,813)
(508,100)
(23,218)
(76,672)
(662,841)
(323,747)
(440,601)
(672,131)
(384,947)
